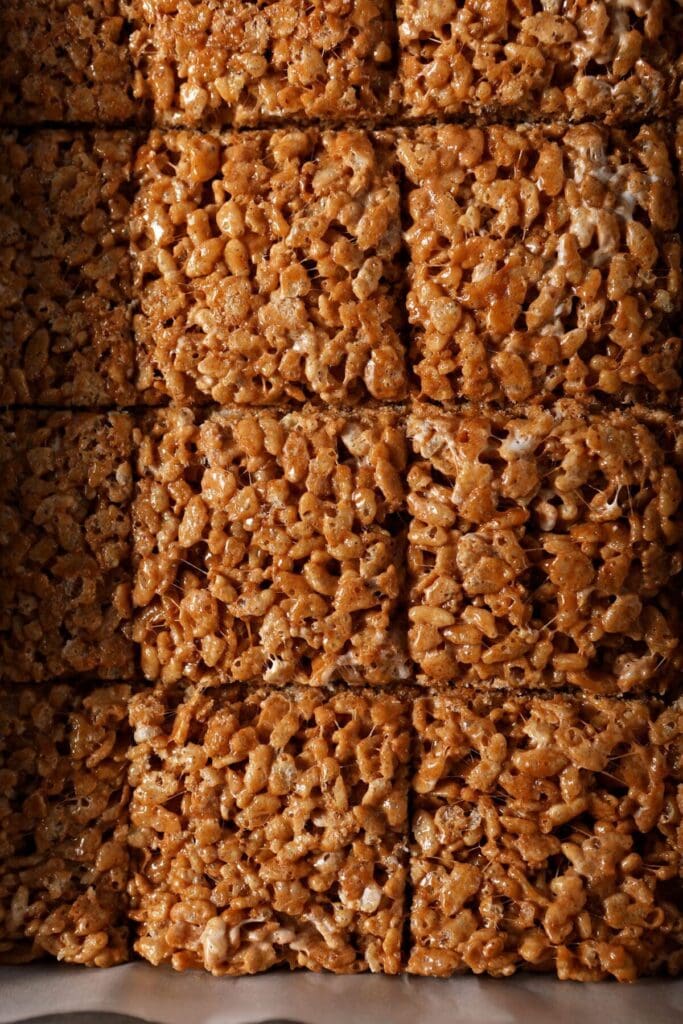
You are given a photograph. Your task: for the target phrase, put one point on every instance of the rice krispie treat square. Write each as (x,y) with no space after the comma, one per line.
(546,835)
(64,60)
(269,828)
(250,62)
(543,261)
(266,267)
(270,547)
(63,824)
(563,59)
(546,548)
(65,539)
(65,331)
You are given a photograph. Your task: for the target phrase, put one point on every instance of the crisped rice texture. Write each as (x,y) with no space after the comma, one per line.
(246,62)
(546,835)
(546,548)
(63,824)
(65,491)
(270,546)
(543,261)
(678,67)
(266,267)
(560,59)
(269,828)
(64,60)
(65,335)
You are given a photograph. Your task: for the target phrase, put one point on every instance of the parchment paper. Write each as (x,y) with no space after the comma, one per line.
(160,995)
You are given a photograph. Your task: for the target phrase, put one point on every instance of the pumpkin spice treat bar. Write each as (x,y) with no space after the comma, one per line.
(546,835)
(568,59)
(65,331)
(266,268)
(269,828)
(546,548)
(270,547)
(543,261)
(251,62)
(64,60)
(65,537)
(64,861)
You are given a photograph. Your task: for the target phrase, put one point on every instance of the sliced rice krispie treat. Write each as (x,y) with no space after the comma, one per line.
(266,267)
(65,332)
(546,548)
(270,547)
(546,835)
(561,59)
(63,824)
(64,60)
(269,828)
(250,62)
(543,260)
(65,537)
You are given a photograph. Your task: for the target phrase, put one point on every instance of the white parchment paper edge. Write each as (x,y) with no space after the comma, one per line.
(161,996)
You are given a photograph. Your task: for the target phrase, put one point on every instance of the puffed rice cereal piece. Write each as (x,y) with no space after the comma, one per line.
(65,331)
(64,859)
(560,59)
(249,62)
(547,836)
(270,546)
(64,60)
(546,548)
(266,268)
(269,828)
(65,540)
(543,261)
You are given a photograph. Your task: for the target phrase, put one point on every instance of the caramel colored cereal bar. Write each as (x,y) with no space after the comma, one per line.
(543,261)
(546,548)
(63,824)
(546,835)
(65,491)
(268,829)
(65,335)
(64,60)
(568,59)
(249,62)
(266,266)
(270,547)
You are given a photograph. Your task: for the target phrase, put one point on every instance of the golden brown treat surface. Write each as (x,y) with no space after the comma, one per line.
(368,347)
(546,548)
(543,261)
(64,861)
(269,828)
(546,834)
(567,59)
(65,335)
(247,62)
(265,265)
(65,534)
(64,60)
(270,546)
